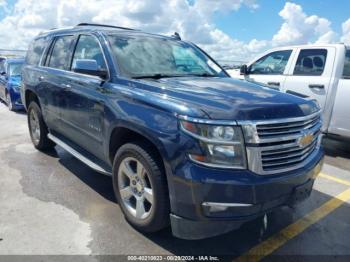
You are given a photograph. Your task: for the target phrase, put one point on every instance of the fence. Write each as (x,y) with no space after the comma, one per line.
(231,64)
(12,53)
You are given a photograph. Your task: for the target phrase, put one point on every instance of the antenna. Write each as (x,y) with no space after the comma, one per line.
(176,36)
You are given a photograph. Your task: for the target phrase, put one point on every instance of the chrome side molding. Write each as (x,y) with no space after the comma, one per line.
(78,155)
(214,207)
(223,205)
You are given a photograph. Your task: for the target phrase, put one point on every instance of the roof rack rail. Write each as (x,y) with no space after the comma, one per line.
(102,25)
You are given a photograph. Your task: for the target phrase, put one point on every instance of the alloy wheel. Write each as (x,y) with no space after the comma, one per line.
(135,188)
(34,126)
(8,101)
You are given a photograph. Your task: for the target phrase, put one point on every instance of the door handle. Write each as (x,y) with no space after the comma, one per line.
(316,86)
(66,87)
(274,83)
(40,78)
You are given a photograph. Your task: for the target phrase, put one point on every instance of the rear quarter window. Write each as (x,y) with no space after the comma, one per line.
(346,70)
(35,51)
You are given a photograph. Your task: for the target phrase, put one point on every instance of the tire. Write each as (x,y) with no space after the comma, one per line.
(9,102)
(156,216)
(37,128)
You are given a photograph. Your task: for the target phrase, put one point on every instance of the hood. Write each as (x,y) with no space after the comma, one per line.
(14,80)
(229,99)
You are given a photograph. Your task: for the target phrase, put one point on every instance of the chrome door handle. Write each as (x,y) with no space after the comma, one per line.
(274,83)
(316,86)
(66,86)
(41,78)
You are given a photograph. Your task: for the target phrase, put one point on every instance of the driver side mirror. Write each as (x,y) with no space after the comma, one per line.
(243,70)
(3,73)
(89,67)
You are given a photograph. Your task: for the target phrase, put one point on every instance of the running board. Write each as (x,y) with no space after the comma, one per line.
(78,155)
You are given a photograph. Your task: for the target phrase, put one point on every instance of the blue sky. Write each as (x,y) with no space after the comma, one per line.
(226,29)
(263,22)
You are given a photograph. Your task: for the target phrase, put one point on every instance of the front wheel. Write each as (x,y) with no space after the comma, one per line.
(37,128)
(9,102)
(140,187)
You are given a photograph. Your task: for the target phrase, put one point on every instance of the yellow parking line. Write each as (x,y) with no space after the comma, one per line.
(279,239)
(341,181)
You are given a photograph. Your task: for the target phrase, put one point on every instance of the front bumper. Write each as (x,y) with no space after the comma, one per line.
(16,100)
(210,202)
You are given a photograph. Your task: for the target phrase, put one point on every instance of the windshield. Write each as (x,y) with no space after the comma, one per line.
(143,56)
(15,69)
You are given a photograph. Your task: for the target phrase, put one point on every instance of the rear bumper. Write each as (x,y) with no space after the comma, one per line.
(214,201)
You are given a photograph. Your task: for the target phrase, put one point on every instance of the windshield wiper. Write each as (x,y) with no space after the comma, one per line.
(158,76)
(204,75)
(154,76)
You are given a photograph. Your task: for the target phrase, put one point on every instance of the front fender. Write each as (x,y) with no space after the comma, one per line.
(160,129)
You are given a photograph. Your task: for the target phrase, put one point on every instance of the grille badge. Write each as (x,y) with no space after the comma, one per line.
(305,139)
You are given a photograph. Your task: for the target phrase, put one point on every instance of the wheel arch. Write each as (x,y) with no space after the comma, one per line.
(124,134)
(31,96)
(121,135)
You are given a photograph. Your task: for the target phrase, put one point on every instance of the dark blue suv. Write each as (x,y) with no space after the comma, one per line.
(185,143)
(10,82)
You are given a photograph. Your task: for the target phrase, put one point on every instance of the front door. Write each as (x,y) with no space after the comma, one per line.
(270,69)
(84,99)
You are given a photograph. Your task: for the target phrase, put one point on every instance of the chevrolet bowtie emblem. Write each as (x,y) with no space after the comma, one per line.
(305,140)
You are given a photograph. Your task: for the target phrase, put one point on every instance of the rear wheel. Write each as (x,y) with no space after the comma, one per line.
(37,128)
(140,187)
(9,102)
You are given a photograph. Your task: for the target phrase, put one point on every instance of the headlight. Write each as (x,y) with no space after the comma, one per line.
(222,145)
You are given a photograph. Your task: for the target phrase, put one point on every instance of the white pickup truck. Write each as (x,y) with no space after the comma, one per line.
(320,72)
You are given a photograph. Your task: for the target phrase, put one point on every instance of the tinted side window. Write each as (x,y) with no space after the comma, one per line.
(311,62)
(346,71)
(60,53)
(35,51)
(89,48)
(271,64)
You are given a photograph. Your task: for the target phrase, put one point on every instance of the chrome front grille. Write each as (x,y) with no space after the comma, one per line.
(282,145)
(287,128)
(286,157)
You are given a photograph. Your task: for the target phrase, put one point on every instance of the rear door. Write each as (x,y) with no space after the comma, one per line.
(32,70)
(340,120)
(53,79)
(310,74)
(271,68)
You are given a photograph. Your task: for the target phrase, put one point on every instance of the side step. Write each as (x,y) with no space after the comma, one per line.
(78,155)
